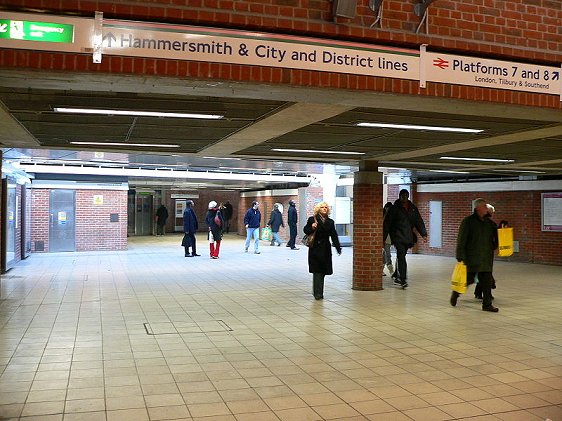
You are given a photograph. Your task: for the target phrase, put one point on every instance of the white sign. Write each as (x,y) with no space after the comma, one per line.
(257,49)
(473,71)
(552,211)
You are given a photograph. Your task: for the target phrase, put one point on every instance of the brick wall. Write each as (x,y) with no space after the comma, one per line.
(522,209)
(94,231)
(39,218)
(515,30)
(512,28)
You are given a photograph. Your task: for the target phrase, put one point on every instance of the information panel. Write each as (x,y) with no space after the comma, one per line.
(551,211)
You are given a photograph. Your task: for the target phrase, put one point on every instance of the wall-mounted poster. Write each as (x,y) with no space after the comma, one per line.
(551,205)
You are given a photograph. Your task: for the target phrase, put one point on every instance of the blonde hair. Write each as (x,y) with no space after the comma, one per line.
(319,205)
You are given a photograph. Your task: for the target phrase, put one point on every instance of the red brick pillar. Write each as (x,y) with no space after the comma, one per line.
(367,229)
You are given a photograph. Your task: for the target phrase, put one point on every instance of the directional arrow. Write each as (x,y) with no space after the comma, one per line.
(439,62)
(555,75)
(108,39)
(4,27)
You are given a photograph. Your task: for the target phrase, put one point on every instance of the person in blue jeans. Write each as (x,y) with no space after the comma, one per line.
(275,221)
(252,221)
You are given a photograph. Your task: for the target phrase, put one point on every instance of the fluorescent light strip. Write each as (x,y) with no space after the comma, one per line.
(521,171)
(318,151)
(136,113)
(454,158)
(449,172)
(416,127)
(142,145)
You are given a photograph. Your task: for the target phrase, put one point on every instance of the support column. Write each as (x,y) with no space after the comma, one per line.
(367,228)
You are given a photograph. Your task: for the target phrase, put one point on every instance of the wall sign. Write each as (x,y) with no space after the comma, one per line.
(36,31)
(473,71)
(551,211)
(145,39)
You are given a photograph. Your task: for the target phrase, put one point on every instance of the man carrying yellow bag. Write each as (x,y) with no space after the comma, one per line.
(476,243)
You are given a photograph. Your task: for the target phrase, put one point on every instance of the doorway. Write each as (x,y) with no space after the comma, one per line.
(62,224)
(435,223)
(144,215)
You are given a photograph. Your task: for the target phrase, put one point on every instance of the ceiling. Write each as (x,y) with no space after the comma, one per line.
(259,118)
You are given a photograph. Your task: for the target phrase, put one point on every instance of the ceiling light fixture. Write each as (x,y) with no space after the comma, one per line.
(449,172)
(455,158)
(521,171)
(142,145)
(136,113)
(319,151)
(417,127)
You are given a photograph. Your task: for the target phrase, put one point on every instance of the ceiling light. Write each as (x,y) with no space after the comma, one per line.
(450,172)
(142,145)
(318,151)
(522,171)
(136,113)
(416,127)
(455,158)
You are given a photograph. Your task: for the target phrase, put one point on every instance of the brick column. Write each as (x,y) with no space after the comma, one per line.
(367,230)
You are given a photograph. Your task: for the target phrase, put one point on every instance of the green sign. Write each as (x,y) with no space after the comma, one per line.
(36,31)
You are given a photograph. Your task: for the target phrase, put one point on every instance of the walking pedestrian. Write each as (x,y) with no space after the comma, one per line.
(399,223)
(476,242)
(252,221)
(320,252)
(190,227)
(292,222)
(215,222)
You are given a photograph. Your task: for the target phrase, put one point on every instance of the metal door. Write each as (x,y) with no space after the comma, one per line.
(144,216)
(62,211)
(435,223)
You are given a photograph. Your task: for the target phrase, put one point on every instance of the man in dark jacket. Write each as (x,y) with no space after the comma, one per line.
(227,214)
(477,240)
(275,222)
(161,218)
(190,227)
(292,221)
(252,221)
(399,223)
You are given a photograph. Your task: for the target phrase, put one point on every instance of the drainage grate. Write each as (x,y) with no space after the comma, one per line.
(171,328)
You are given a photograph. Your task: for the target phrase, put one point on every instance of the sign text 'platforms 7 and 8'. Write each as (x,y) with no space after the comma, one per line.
(472,71)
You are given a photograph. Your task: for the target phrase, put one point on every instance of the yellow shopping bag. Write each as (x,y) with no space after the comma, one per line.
(505,242)
(458,278)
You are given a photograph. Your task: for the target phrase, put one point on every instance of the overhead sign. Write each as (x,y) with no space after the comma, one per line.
(473,71)
(36,31)
(246,48)
(163,41)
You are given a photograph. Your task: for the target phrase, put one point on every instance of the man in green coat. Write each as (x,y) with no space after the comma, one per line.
(476,243)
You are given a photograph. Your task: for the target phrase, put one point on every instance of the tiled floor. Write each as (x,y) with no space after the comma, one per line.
(148,334)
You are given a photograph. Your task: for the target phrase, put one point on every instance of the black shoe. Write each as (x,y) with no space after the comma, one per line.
(195,254)
(404,284)
(188,255)
(454,298)
(295,248)
(478,296)
(491,309)
(320,297)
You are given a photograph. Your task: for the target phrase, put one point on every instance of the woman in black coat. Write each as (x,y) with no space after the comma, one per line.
(215,222)
(320,252)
